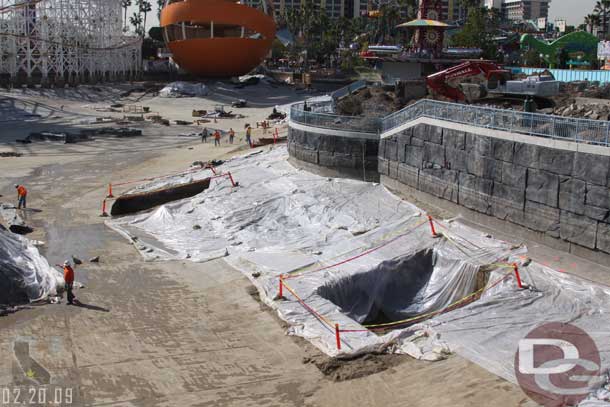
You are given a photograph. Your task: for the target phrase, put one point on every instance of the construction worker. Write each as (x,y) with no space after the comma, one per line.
(204,135)
(231,135)
(217,138)
(22,194)
(249,136)
(69,279)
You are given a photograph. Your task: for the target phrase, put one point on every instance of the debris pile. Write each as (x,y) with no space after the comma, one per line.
(380,101)
(584,111)
(577,99)
(369,102)
(83,135)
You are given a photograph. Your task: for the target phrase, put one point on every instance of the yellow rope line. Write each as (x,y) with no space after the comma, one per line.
(431,314)
(309,308)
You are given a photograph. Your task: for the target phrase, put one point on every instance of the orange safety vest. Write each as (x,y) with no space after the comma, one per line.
(68,274)
(217,136)
(21,191)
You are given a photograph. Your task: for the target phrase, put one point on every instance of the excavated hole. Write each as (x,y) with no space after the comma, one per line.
(393,291)
(132,203)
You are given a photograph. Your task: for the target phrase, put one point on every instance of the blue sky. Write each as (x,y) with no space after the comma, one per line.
(572,10)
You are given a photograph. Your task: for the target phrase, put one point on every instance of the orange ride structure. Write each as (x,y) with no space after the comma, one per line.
(216,38)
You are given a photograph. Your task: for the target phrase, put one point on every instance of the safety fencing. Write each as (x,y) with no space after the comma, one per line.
(586,131)
(321,115)
(336,328)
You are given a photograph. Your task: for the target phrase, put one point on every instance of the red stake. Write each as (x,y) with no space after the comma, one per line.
(338,336)
(110,191)
(516,267)
(432,226)
(231,178)
(104,213)
(281,286)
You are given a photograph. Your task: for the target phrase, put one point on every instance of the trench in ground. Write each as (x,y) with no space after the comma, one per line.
(397,289)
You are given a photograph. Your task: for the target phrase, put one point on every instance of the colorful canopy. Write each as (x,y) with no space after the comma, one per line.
(423,23)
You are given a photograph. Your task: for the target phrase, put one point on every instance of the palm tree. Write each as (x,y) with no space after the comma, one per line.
(601,8)
(160,4)
(136,21)
(144,7)
(592,21)
(125,4)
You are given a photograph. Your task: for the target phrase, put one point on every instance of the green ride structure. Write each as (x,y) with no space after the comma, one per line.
(575,49)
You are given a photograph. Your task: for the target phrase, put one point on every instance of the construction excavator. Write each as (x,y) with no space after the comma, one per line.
(474,80)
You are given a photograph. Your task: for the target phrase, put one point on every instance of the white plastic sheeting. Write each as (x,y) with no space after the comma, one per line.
(488,331)
(194,174)
(184,89)
(24,273)
(282,220)
(277,209)
(355,254)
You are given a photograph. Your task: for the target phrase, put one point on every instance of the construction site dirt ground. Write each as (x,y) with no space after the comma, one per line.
(190,334)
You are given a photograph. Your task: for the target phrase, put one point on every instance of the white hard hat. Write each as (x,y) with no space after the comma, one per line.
(16,185)
(67,263)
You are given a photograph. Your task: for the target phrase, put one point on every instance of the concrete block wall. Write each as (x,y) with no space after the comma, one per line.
(561,194)
(344,154)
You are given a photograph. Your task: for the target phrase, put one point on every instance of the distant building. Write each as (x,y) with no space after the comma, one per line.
(333,8)
(561,25)
(543,23)
(521,10)
(453,10)
(491,4)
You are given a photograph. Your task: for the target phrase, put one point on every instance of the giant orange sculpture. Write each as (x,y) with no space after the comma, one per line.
(217,38)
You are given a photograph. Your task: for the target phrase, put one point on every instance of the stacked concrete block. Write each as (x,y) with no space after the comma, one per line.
(349,153)
(559,193)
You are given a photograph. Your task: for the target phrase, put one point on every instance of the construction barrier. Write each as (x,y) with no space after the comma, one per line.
(516,268)
(104,212)
(409,321)
(434,234)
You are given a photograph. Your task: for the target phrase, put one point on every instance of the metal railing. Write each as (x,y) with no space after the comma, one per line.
(320,116)
(534,124)
(352,87)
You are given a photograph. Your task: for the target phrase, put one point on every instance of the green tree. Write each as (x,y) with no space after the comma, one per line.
(592,21)
(478,32)
(601,8)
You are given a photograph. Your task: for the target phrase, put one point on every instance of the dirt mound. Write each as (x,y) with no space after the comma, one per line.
(370,102)
(340,370)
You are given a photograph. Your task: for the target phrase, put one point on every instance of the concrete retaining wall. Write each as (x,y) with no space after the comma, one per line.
(351,157)
(559,194)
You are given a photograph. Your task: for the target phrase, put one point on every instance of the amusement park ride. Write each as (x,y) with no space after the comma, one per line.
(217,38)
